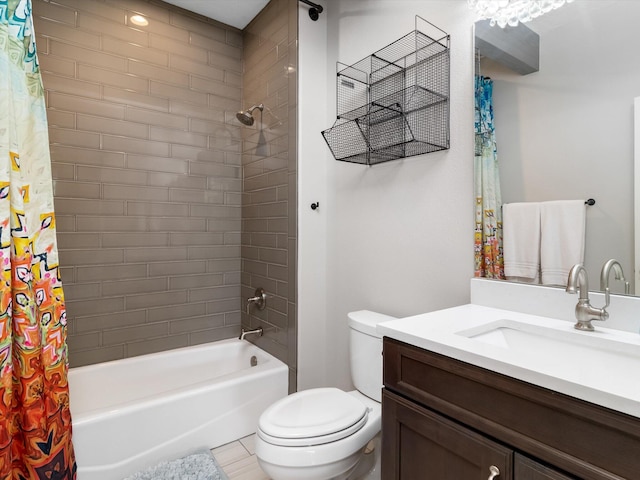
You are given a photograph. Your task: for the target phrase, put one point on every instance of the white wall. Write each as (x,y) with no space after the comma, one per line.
(397,237)
(566,131)
(313,106)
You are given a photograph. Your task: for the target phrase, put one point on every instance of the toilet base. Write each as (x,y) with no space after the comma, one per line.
(368,467)
(339,470)
(365,465)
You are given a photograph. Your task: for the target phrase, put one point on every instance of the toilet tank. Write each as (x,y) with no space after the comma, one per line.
(365,352)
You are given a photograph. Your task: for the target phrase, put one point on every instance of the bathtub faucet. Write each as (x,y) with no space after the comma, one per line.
(244,333)
(259,300)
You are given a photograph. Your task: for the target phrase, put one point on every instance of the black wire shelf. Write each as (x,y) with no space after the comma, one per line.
(394,103)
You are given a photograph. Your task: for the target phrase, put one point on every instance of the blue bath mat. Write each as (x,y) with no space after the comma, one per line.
(197,466)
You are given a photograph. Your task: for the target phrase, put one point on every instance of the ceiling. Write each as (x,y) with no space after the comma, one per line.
(237,13)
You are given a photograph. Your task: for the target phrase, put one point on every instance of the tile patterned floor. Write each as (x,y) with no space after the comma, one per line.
(238,460)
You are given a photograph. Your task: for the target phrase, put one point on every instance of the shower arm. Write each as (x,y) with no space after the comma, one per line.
(260,107)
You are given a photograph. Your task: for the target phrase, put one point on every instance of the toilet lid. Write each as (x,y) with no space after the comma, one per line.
(312,417)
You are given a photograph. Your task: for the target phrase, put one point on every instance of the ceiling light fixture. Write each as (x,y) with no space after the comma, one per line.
(511,12)
(139,20)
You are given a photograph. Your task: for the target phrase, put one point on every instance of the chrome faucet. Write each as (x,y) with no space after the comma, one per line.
(259,300)
(243,333)
(585,313)
(619,275)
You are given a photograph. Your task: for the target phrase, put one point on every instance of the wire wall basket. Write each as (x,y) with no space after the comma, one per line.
(394,103)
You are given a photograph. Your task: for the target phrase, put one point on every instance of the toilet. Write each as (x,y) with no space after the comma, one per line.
(324,433)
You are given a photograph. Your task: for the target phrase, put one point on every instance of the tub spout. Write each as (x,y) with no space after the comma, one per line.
(244,333)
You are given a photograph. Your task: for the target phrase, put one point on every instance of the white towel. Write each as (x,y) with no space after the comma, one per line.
(521,241)
(562,240)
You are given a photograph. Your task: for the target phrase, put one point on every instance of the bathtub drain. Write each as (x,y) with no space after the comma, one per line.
(254,361)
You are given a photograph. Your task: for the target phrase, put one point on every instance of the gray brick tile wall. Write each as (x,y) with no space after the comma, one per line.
(169,212)
(269,166)
(145,155)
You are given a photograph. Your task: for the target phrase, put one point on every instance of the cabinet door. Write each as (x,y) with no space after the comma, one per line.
(418,444)
(528,469)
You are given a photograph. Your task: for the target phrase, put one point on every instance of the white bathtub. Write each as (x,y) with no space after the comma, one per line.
(133,413)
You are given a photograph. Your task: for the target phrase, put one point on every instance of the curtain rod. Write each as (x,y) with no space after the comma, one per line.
(314,11)
(589,202)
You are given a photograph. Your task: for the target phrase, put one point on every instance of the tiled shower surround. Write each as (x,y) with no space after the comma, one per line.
(148,179)
(269,166)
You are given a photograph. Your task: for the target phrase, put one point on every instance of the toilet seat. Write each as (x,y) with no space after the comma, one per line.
(312,417)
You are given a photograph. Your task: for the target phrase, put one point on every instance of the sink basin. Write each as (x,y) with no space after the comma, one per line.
(582,355)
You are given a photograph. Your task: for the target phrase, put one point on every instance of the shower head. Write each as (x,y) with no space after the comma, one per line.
(246,116)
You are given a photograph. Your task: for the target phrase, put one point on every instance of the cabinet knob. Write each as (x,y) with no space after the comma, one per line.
(494,472)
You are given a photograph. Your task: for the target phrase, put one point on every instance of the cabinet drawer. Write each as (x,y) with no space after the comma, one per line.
(591,442)
(420,444)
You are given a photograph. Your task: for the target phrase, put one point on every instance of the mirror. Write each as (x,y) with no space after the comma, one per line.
(566,131)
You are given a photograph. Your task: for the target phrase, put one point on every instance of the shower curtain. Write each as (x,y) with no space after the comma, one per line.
(488,209)
(35,423)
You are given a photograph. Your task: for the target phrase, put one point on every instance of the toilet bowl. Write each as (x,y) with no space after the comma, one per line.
(324,456)
(322,433)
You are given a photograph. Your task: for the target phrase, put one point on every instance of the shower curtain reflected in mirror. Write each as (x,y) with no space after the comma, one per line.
(35,423)
(488,209)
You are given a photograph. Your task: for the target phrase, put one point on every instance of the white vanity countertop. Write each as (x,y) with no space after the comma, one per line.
(600,367)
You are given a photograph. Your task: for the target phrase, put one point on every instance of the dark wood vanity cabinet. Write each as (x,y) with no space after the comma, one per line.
(443,419)
(428,445)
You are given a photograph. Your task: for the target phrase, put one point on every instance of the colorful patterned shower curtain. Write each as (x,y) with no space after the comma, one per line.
(35,423)
(488,231)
